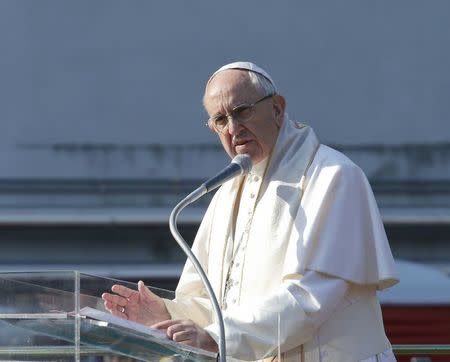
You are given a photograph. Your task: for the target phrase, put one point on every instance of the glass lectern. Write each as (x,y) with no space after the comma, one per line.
(59,316)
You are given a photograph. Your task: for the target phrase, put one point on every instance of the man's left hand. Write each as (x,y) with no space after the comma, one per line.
(187,332)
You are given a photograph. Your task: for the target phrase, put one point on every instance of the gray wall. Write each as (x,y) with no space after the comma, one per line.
(101,123)
(112,89)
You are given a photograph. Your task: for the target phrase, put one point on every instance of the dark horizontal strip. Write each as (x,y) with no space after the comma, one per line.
(159,147)
(101,186)
(137,186)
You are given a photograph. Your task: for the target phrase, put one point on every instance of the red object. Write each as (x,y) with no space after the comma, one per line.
(418,324)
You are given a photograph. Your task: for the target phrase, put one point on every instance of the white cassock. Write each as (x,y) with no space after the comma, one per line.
(295,252)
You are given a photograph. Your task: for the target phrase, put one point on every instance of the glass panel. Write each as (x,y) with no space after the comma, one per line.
(35,298)
(60,316)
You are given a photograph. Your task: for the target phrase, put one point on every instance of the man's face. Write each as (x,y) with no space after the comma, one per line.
(257,136)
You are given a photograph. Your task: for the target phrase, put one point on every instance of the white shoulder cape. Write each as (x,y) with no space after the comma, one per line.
(316,211)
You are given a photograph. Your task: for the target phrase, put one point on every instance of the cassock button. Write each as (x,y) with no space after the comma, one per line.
(252,195)
(255,178)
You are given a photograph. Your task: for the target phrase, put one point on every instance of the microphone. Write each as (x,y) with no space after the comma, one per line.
(240,165)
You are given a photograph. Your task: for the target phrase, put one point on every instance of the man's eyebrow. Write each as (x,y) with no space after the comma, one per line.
(217,115)
(240,105)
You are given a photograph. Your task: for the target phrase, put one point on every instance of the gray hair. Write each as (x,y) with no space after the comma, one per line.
(262,85)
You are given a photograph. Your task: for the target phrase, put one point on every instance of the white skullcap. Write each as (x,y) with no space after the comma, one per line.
(245,66)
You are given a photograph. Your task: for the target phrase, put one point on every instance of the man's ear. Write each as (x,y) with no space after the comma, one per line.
(279,105)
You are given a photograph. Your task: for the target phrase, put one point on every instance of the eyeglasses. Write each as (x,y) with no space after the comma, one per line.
(241,114)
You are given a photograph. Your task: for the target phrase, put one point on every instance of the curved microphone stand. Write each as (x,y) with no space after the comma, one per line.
(187,250)
(240,165)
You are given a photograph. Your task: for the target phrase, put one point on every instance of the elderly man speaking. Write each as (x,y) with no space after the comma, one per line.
(295,250)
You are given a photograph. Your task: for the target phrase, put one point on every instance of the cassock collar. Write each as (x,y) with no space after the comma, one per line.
(259,168)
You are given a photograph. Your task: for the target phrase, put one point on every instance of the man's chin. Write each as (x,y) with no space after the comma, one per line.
(246,148)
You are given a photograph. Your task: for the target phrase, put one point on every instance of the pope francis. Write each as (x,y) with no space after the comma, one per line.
(295,250)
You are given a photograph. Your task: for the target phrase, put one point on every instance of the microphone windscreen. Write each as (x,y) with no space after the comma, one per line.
(244,161)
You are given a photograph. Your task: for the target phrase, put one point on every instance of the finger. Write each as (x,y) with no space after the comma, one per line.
(116,299)
(165,324)
(182,336)
(107,296)
(145,291)
(116,310)
(109,306)
(176,328)
(118,313)
(123,291)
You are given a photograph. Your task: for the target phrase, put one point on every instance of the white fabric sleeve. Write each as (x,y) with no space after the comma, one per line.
(342,223)
(296,309)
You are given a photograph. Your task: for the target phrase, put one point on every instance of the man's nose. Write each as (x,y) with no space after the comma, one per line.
(233,125)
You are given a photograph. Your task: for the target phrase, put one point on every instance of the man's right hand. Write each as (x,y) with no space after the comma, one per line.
(142,305)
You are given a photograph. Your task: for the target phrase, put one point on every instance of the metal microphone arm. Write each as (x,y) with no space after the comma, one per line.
(240,165)
(196,194)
